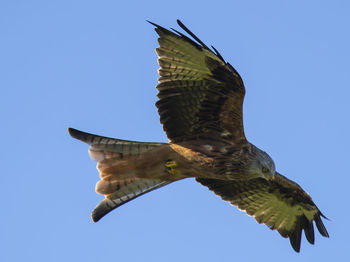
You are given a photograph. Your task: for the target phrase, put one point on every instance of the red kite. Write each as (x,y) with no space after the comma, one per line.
(200,107)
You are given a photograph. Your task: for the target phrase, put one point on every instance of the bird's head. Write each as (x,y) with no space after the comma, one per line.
(263,165)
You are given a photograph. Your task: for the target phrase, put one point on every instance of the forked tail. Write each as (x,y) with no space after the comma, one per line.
(118,181)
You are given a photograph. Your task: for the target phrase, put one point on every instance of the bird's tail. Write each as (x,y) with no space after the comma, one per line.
(116,165)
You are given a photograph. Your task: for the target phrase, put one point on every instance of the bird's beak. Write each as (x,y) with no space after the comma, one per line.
(272,178)
(269,177)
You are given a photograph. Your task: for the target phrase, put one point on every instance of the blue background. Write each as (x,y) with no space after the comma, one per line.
(91,65)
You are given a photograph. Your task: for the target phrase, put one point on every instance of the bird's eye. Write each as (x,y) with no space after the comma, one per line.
(265,170)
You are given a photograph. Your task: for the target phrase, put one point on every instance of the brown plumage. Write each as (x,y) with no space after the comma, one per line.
(200,106)
(281,204)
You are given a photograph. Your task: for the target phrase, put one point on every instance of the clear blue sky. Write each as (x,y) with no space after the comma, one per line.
(91,65)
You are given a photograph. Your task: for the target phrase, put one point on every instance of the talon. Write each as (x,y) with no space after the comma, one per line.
(171,165)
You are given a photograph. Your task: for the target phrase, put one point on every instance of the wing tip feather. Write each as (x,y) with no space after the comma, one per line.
(320,226)
(295,239)
(308,227)
(159,29)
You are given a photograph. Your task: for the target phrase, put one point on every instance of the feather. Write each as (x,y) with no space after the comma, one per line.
(198,92)
(309,230)
(282,205)
(125,194)
(320,226)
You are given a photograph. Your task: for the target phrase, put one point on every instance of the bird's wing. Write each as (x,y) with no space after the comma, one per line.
(281,204)
(200,95)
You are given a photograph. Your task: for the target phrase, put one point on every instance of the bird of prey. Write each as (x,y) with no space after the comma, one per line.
(200,106)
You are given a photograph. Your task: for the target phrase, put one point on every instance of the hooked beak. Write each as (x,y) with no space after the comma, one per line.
(269,176)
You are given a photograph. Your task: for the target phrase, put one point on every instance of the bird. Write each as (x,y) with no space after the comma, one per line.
(201,109)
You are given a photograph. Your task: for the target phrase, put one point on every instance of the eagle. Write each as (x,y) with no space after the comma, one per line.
(200,107)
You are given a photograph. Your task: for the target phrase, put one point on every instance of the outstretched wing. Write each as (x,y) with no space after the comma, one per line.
(200,95)
(281,204)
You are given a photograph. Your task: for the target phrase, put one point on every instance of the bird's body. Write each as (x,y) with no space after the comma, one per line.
(200,107)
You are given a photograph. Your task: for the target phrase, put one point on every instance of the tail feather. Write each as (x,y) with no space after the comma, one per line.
(105,147)
(116,165)
(102,147)
(124,195)
(113,165)
(109,184)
